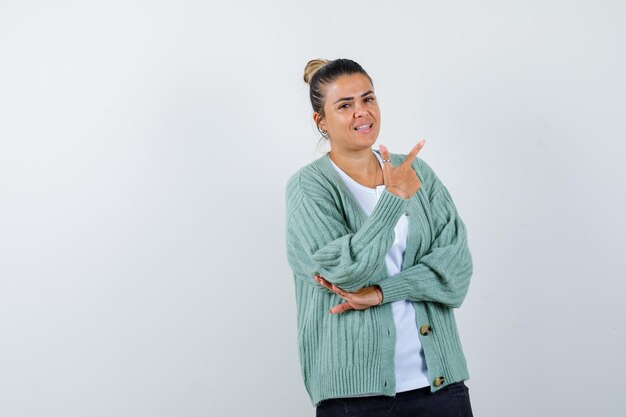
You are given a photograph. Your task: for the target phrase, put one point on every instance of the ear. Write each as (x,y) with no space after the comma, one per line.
(319,121)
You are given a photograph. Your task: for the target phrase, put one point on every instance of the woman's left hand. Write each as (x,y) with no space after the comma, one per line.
(360,300)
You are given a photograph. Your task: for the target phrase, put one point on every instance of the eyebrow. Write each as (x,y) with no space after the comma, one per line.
(352,98)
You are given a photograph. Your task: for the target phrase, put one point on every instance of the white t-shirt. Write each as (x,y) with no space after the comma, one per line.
(410,364)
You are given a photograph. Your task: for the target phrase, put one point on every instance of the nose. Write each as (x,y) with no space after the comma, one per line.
(359,111)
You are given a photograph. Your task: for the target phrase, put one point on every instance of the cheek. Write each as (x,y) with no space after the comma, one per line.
(338,122)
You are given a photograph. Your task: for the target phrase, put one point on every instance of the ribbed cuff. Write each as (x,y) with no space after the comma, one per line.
(385,215)
(394,289)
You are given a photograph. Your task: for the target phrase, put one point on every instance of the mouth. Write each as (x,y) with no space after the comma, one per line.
(364,128)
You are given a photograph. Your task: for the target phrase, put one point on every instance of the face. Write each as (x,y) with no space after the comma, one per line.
(351,113)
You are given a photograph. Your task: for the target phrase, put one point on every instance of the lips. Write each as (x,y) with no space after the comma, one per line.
(362,128)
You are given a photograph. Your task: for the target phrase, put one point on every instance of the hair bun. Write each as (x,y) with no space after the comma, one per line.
(312,67)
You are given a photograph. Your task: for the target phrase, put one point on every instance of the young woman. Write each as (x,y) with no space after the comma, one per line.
(380,259)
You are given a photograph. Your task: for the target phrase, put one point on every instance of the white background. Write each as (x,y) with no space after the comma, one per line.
(144,151)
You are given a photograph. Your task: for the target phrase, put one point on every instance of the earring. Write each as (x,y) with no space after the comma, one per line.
(323,132)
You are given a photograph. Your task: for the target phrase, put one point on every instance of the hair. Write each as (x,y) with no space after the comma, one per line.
(321,72)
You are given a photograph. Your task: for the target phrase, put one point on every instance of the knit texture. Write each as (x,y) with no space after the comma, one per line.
(328,233)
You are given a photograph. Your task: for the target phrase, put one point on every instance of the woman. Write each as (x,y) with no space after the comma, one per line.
(380,259)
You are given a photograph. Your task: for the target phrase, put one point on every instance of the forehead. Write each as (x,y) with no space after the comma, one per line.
(352,85)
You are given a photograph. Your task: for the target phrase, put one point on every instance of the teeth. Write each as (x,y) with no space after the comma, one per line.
(363,127)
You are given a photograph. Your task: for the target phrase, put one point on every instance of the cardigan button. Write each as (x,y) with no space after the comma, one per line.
(425,330)
(439,381)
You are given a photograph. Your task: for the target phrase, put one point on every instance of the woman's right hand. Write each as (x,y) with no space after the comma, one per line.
(401,180)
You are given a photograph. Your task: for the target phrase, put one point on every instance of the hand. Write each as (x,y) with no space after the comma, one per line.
(360,300)
(401,180)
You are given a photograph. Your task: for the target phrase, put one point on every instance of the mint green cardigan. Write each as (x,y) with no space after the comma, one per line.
(328,233)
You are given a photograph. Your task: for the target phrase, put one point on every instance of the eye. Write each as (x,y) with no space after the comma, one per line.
(344,106)
(370,99)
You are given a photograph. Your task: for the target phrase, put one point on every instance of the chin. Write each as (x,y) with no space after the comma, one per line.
(367,143)
(370,139)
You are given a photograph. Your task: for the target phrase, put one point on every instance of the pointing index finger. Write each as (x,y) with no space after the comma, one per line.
(411,156)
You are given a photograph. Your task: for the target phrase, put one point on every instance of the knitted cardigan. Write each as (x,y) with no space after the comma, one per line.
(328,233)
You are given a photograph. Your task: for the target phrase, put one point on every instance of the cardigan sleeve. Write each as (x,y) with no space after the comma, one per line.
(443,274)
(320,241)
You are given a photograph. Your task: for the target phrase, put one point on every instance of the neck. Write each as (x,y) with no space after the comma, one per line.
(362,165)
